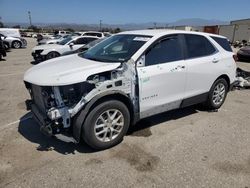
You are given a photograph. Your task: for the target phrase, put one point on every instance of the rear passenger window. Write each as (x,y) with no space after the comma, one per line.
(166,50)
(198,46)
(88,40)
(224,43)
(81,41)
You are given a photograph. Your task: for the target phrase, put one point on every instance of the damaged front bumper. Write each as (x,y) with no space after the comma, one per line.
(38,57)
(48,127)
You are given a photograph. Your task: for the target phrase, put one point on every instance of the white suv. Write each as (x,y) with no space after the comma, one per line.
(98,94)
(49,51)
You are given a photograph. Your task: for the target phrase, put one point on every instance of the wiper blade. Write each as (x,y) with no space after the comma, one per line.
(94,59)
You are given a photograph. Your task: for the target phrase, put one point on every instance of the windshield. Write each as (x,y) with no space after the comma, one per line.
(93,43)
(117,48)
(65,41)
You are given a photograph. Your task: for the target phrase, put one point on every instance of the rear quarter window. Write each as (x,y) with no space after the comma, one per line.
(198,46)
(224,43)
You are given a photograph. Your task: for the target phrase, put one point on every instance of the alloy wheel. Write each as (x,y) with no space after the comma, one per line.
(219,94)
(109,125)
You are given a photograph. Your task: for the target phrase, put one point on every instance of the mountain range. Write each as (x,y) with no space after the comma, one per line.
(128,26)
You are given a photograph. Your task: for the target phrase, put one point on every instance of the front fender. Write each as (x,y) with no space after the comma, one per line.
(79,119)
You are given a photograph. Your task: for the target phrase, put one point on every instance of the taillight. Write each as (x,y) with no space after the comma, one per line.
(235,57)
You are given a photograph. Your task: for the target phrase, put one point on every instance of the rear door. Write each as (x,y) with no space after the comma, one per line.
(203,64)
(162,79)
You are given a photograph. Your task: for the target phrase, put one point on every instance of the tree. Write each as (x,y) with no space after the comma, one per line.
(34,28)
(117,30)
(1,25)
(70,30)
(17,26)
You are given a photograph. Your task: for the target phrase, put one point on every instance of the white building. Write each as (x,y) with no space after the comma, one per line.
(237,30)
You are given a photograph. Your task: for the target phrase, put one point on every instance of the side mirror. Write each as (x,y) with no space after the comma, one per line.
(71,44)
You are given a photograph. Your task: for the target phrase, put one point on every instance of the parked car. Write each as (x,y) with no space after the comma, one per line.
(243,54)
(85,47)
(2,49)
(49,51)
(130,76)
(5,43)
(13,37)
(93,33)
(56,39)
(15,42)
(62,33)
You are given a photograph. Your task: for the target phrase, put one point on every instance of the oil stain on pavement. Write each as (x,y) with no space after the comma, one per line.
(137,158)
(233,168)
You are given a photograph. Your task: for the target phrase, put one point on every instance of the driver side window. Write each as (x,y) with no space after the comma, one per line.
(165,50)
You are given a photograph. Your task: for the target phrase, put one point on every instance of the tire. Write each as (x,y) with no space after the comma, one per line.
(51,55)
(215,100)
(16,44)
(110,132)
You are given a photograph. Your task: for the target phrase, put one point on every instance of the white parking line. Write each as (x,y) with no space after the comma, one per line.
(14,74)
(14,122)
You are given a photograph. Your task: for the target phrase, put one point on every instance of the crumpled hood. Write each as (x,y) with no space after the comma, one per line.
(65,71)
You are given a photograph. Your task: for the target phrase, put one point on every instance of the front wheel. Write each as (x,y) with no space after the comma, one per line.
(217,94)
(52,55)
(106,125)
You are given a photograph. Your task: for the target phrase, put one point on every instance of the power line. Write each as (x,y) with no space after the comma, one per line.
(29,13)
(100,25)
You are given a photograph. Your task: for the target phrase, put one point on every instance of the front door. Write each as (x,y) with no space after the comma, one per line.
(162,78)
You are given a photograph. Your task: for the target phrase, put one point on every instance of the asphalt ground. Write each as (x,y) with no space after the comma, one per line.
(182,148)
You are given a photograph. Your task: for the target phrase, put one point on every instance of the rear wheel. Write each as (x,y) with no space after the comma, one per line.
(217,94)
(52,55)
(16,44)
(106,125)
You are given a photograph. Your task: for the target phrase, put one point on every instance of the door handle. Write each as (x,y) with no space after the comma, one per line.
(215,60)
(178,68)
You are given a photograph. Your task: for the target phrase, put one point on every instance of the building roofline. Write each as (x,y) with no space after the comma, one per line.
(240,20)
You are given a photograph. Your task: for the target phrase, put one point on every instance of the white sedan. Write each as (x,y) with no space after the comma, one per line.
(71,43)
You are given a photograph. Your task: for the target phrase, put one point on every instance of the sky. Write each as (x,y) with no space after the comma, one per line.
(121,12)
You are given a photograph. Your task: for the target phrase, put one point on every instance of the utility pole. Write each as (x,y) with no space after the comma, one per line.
(100,25)
(29,13)
(154,25)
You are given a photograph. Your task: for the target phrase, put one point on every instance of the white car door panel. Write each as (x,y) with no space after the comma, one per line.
(162,80)
(201,73)
(203,65)
(161,87)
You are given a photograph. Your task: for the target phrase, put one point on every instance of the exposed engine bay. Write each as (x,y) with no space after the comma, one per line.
(57,105)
